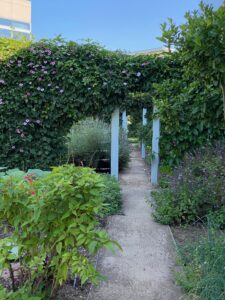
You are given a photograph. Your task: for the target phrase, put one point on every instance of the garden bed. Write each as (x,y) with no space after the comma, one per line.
(68,291)
(188,234)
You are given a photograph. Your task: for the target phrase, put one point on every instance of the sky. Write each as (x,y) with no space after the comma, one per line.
(128,25)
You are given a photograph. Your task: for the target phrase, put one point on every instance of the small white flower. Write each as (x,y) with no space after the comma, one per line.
(125,83)
(138,74)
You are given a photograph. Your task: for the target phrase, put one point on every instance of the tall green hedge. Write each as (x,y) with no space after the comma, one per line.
(46,86)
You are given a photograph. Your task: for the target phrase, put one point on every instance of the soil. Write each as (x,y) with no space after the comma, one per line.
(188,234)
(68,292)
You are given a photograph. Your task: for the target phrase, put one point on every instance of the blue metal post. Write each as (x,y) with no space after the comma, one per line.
(155,149)
(144,122)
(115,143)
(124,120)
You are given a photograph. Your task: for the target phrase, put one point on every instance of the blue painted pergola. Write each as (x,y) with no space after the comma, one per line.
(115,125)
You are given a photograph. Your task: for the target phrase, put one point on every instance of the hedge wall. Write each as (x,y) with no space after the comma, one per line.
(46,86)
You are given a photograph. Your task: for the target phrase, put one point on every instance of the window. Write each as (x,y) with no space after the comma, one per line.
(21,25)
(5,33)
(5,22)
(18,35)
(14,24)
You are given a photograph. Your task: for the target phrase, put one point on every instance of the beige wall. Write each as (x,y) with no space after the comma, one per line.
(19,10)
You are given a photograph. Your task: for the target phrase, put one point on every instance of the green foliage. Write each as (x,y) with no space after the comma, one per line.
(54,220)
(9,47)
(201,44)
(202,275)
(191,116)
(90,140)
(112,197)
(50,84)
(194,190)
(23,293)
(169,34)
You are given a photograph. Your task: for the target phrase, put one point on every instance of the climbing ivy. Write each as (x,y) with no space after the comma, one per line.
(46,86)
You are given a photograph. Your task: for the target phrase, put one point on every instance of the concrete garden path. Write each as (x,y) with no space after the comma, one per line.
(144,269)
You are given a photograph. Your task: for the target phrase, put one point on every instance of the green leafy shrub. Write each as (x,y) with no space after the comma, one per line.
(112,197)
(195,189)
(54,219)
(90,140)
(202,275)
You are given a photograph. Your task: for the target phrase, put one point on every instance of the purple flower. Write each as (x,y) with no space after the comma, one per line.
(45,61)
(26,122)
(1,101)
(52,63)
(48,51)
(38,121)
(2,81)
(145,63)
(61,91)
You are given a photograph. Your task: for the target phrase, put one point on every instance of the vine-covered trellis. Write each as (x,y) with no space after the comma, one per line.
(46,86)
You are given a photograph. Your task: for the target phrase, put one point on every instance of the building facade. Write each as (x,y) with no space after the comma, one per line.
(15,18)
